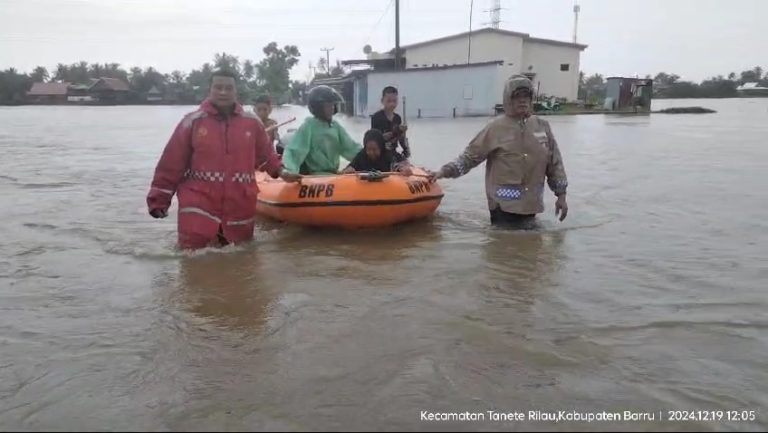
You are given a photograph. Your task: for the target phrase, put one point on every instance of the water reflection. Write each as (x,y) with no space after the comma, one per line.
(376,246)
(518,266)
(229,289)
(523,256)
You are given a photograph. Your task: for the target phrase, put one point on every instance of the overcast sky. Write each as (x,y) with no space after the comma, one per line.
(693,38)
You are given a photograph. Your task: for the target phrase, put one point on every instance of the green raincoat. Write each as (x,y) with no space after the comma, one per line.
(319,145)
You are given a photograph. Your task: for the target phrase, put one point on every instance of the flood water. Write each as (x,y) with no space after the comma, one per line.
(650,297)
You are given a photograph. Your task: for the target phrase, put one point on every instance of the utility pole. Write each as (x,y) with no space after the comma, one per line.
(397,35)
(469,36)
(495,14)
(327,58)
(576,10)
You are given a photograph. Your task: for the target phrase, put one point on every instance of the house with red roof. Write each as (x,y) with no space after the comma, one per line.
(110,91)
(102,90)
(48,93)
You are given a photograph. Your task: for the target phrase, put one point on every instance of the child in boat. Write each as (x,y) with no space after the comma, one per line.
(390,123)
(376,157)
(263,108)
(320,141)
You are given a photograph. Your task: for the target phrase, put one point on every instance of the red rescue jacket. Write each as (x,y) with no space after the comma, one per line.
(209,163)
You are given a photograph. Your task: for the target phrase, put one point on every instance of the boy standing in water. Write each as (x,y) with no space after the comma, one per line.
(263,107)
(390,123)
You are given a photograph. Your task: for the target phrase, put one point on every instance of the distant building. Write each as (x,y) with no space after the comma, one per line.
(628,94)
(110,91)
(476,64)
(48,93)
(752,90)
(80,93)
(440,91)
(102,90)
(154,95)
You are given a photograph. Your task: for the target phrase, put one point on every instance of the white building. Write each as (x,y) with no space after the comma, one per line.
(457,69)
(752,90)
(444,91)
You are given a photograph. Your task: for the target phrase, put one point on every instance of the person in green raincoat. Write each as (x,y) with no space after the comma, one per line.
(320,140)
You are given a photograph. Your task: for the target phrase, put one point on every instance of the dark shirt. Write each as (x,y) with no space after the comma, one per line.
(385,162)
(379,121)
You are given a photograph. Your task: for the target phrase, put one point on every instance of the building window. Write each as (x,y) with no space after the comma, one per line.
(468,92)
(565,67)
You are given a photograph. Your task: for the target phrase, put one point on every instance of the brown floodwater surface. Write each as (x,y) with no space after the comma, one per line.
(650,297)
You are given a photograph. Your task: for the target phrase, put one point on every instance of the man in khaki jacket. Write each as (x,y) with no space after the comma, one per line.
(520,153)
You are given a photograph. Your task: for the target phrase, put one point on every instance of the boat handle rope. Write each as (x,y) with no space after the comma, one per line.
(373,176)
(363,176)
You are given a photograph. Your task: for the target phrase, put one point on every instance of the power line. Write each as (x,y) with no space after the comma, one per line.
(327,58)
(383,14)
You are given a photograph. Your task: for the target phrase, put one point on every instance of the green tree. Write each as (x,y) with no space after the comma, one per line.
(338,70)
(753,75)
(197,83)
(322,66)
(113,70)
(664,79)
(177,77)
(79,73)
(717,87)
(592,88)
(228,62)
(39,74)
(274,70)
(136,78)
(683,89)
(13,86)
(62,72)
(663,82)
(249,70)
(96,71)
(151,78)
(177,88)
(298,91)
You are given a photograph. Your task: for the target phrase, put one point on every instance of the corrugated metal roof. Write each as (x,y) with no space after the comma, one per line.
(111,84)
(751,86)
(441,67)
(525,36)
(48,89)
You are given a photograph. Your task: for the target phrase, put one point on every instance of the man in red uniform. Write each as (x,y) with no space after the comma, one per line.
(209,162)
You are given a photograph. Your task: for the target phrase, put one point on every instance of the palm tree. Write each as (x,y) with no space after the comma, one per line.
(113,70)
(249,70)
(96,71)
(136,78)
(227,62)
(79,72)
(758,72)
(62,72)
(322,65)
(177,77)
(40,74)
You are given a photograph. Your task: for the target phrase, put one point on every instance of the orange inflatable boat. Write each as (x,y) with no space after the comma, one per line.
(356,200)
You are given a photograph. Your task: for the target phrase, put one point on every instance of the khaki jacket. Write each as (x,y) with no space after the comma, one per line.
(520,156)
